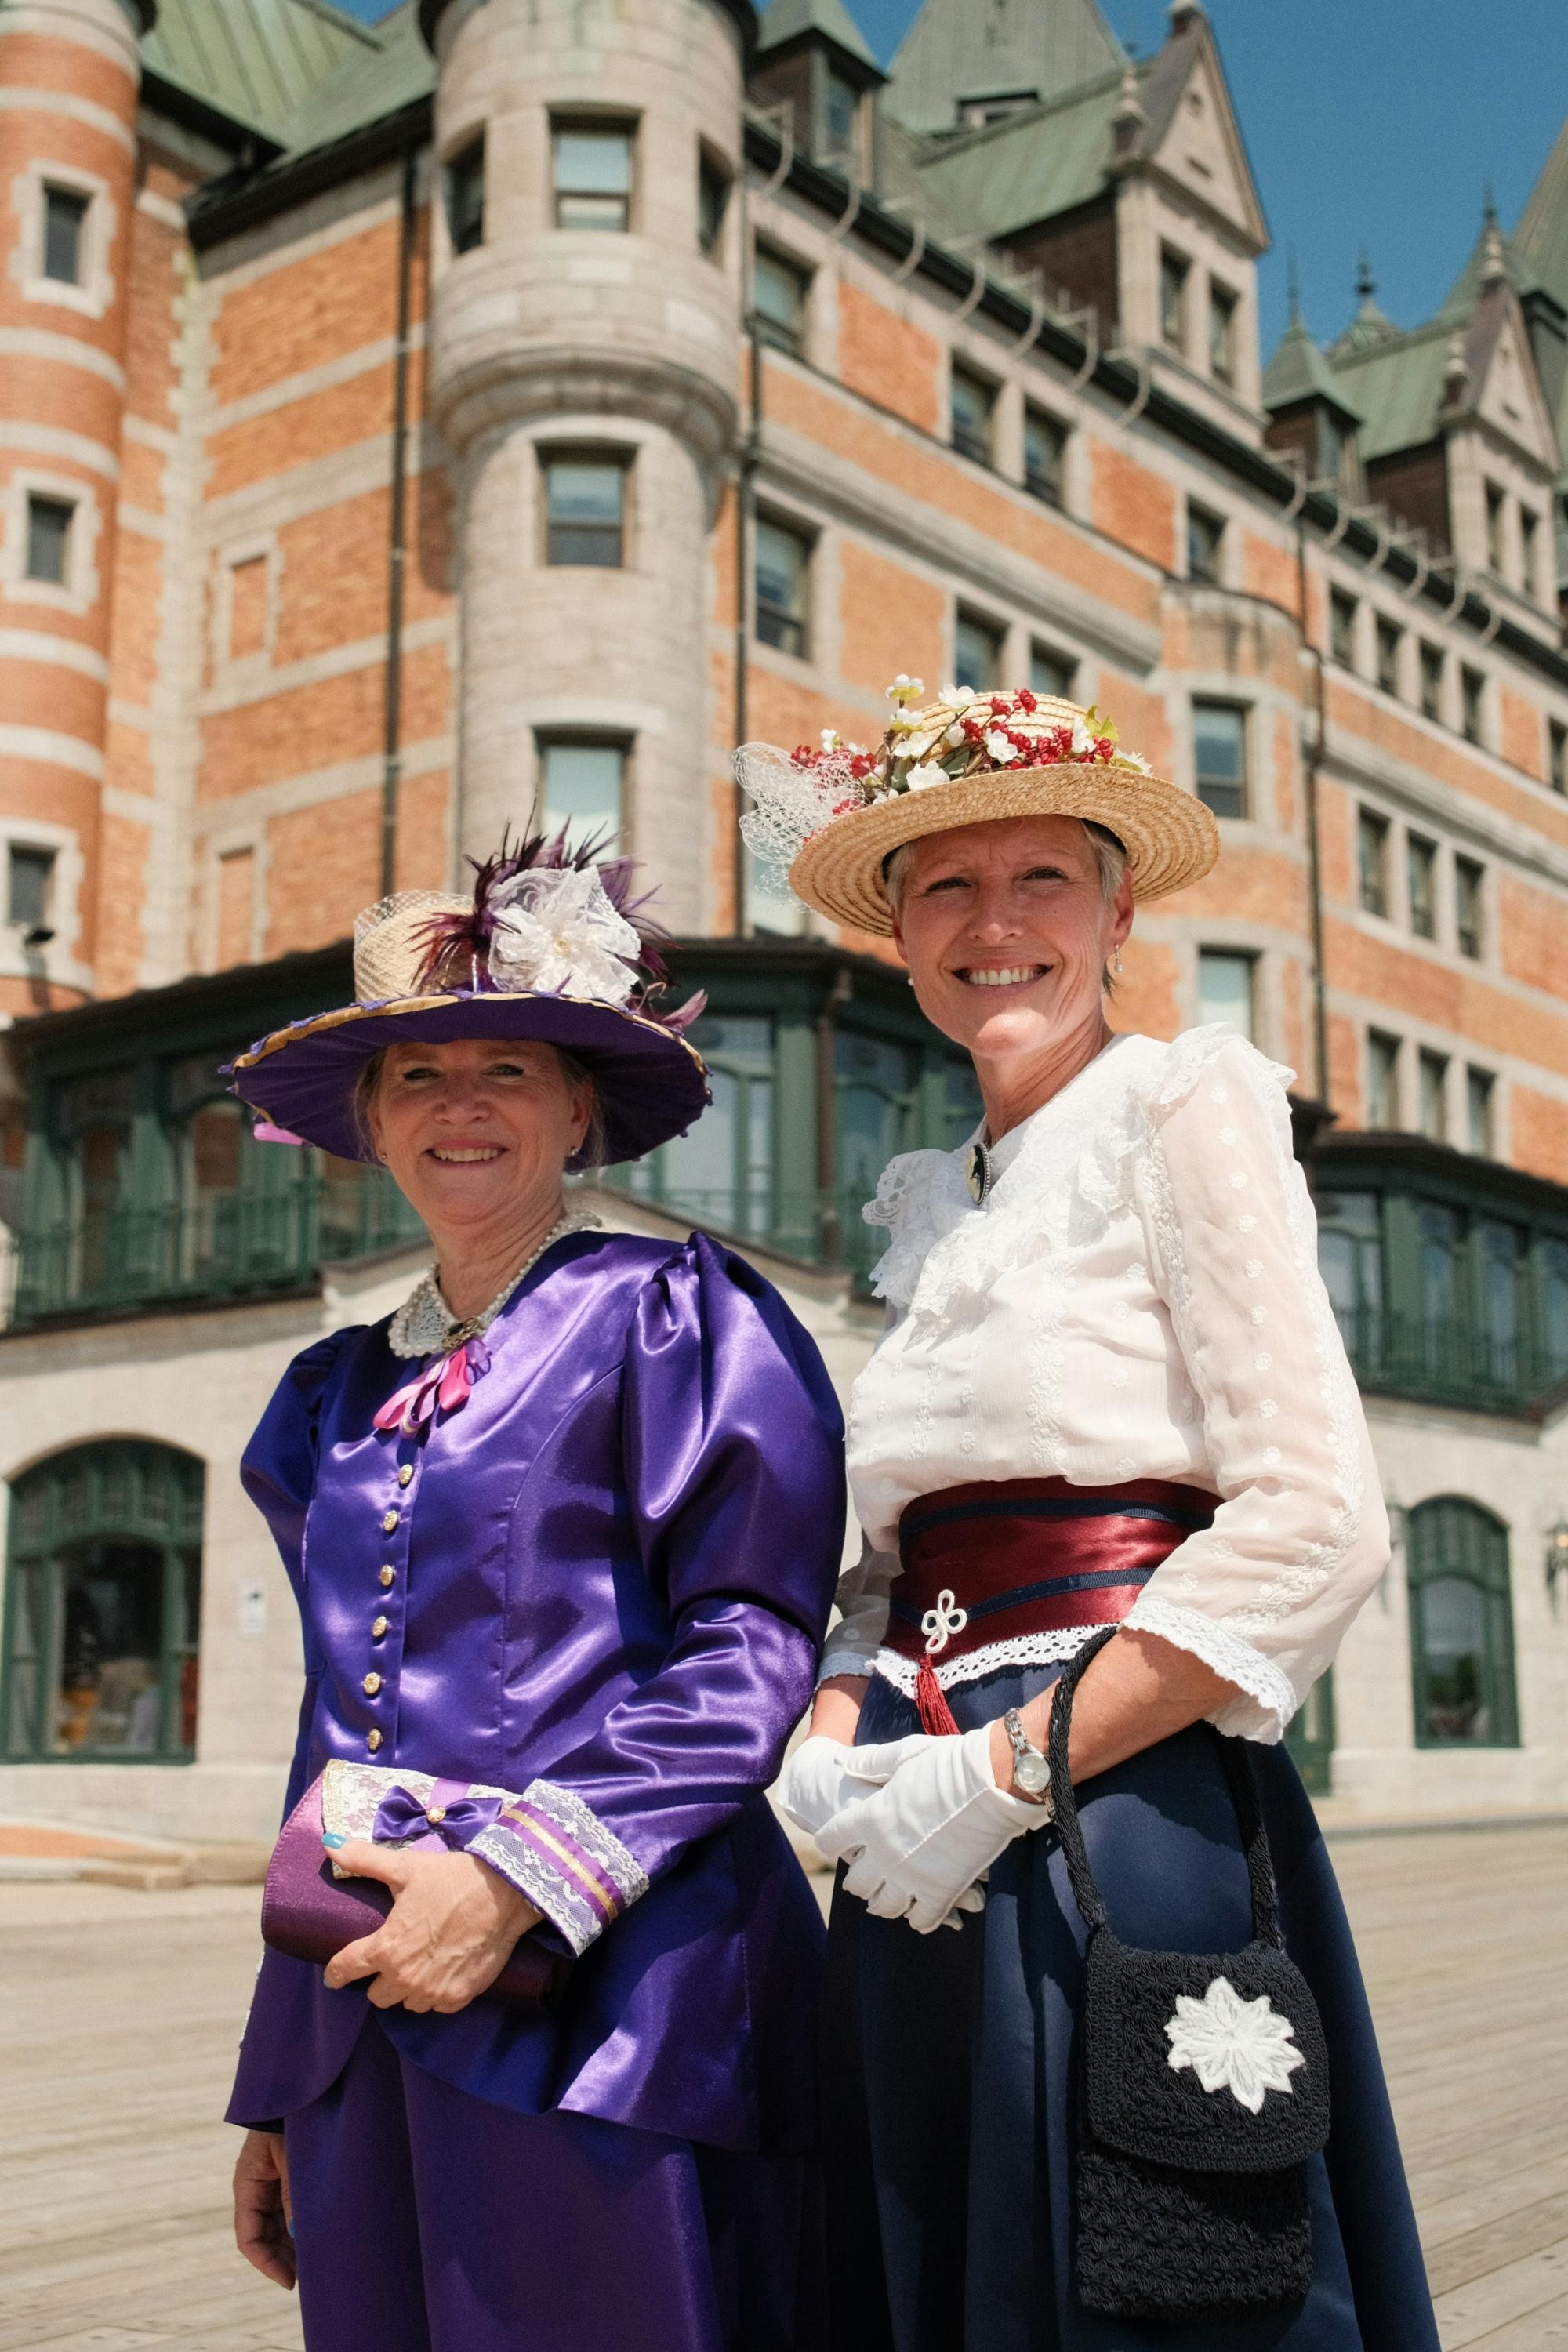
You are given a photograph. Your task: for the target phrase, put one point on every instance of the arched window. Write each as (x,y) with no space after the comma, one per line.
(103,1606)
(1461,1626)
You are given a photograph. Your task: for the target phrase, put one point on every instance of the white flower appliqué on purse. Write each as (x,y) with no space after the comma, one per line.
(1245,2047)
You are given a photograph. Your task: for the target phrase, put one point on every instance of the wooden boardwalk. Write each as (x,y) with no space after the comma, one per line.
(119,2014)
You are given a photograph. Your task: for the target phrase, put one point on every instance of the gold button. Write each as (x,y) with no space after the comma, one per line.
(388,1523)
(386,1576)
(371,1684)
(436,1815)
(378,1629)
(405,1473)
(373,1740)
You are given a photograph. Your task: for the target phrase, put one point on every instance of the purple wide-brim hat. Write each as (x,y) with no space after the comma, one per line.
(651,1084)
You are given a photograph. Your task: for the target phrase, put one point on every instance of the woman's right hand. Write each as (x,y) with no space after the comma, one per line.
(262,2212)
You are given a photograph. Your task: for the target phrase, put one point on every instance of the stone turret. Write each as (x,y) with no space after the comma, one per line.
(586,309)
(70,79)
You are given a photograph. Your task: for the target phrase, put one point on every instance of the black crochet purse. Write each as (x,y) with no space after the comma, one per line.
(1203,2090)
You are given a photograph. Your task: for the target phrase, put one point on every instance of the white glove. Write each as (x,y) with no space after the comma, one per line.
(918,1846)
(824,1774)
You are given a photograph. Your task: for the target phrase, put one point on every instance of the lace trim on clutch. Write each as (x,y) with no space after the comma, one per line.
(555,1849)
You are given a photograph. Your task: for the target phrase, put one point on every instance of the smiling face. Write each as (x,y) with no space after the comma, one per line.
(1006,932)
(477,1134)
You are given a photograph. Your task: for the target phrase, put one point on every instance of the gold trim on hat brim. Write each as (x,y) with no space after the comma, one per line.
(396,1006)
(1170,836)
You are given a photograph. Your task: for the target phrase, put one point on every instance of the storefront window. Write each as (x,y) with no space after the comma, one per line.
(103,1606)
(1461,1626)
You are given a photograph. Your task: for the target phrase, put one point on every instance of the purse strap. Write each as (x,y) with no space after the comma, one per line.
(1238,1772)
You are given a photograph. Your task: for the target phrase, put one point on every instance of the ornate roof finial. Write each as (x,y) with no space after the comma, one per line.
(1494,253)
(1129,121)
(1365,283)
(1455,369)
(1293,288)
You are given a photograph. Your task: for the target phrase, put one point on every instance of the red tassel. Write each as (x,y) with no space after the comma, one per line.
(936,1715)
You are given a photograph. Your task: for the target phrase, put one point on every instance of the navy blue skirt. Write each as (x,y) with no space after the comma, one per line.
(949,2072)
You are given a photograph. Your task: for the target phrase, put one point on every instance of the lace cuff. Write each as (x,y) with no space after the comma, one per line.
(862,1600)
(1263,1701)
(554,1849)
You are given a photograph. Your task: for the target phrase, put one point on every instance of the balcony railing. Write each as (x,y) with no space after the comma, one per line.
(231,1245)
(824,1227)
(1442,1361)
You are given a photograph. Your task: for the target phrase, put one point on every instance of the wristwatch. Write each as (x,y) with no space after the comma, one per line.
(1031,1772)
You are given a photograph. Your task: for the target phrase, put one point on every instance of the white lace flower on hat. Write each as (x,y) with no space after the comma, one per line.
(559,932)
(958,698)
(1243,2047)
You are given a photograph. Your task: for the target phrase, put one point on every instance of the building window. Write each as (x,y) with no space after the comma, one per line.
(720,1173)
(1382,1079)
(584,506)
(1421,882)
(1173,300)
(593,176)
(466,196)
(1227,989)
(1432,682)
(29,885)
(49,539)
(778,300)
(234,911)
(249,596)
(782,578)
(1205,543)
(1371,862)
(65,226)
(1472,689)
(1390,642)
(581,786)
(1469,879)
(842,119)
(103,1606)
(1223,306)
(1219,757)
(1494,529)
(1349,1258)
(1461,1626)
(1529,548)
(976,652)
(1433,1077)
(712,202)
(1045,455)
(1557,755)
(1480,1089)
(1342,612)
(973,404)
(1051,673)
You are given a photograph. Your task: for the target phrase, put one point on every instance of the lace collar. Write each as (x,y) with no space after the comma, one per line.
(426,1325)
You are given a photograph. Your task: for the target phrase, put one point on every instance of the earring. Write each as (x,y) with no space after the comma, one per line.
(1116,964)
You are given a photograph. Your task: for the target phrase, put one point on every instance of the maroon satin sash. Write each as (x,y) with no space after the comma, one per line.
(1003,1558)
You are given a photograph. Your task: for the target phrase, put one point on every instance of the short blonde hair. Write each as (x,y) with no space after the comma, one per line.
(1109,856)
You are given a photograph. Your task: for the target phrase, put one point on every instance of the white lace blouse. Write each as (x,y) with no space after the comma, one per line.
(1137,1298)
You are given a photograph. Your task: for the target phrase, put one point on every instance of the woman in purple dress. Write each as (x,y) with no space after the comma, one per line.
(566,1525)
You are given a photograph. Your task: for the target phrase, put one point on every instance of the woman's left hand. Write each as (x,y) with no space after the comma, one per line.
(449,1933)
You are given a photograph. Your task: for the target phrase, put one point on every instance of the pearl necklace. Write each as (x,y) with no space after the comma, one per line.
(424,1326)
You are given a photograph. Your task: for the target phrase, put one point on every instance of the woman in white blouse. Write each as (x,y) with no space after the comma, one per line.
(1110,1391)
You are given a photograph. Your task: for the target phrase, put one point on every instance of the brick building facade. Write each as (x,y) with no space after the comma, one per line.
(506,409)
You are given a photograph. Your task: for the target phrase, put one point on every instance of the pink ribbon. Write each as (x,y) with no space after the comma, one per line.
(442,1386)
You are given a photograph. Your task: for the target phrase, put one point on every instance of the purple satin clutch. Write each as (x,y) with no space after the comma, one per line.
(311,1915)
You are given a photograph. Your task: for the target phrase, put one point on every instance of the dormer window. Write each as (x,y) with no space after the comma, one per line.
(1223,307)
(841,120)
(1530,551)
(1174,275)
(1494,529)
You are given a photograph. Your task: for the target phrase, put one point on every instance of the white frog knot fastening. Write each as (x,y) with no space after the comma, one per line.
(939,1625)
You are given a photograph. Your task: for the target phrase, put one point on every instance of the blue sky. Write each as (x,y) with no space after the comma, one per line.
(1374,121)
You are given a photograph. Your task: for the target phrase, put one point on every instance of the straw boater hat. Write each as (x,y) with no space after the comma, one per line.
(550,946)
(832,818)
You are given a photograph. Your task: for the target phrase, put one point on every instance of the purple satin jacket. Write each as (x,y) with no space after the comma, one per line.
(605,1583)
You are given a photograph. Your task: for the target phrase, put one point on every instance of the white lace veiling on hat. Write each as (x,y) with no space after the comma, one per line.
(559,932)
(789,802)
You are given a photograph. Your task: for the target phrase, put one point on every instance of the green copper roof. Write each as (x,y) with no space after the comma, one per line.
(1299,371)
(363,88)
(1031,166)
(1396,386)
(258,61)
(1539,243)
(787,20)
(959,50)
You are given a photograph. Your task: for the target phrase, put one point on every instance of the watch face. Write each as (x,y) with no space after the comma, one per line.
(1031,1773)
